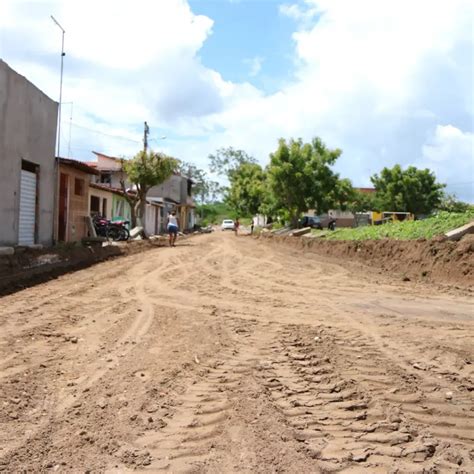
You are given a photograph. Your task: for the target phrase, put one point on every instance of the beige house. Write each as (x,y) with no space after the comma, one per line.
(73,200)
(100,200)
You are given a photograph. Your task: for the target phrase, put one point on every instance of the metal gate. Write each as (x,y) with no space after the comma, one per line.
(27,220)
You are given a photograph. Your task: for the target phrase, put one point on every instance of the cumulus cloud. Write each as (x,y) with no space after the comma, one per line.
(381,80)
(448,144)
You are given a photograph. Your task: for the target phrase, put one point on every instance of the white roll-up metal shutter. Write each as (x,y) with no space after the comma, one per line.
(26,227)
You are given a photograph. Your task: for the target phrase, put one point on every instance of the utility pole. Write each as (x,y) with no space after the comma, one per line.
(56,167)
(60,84)
(146,132)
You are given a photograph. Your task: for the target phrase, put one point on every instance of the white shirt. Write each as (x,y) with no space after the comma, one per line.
(172,220)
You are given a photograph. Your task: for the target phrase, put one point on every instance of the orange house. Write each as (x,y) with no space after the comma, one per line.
(73,200)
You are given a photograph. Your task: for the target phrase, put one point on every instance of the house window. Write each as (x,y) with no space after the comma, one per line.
(78,187)
(106,178)
(104,207)
(95,205)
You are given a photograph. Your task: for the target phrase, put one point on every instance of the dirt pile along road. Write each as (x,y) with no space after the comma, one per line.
(230,355)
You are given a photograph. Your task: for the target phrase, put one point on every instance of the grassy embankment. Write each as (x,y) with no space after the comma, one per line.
(427,228)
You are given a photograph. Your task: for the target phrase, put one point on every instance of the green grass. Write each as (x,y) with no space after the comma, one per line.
(215,213)
(427,228)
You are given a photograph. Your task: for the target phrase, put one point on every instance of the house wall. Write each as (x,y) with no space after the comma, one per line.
(169,189)
(120,207)
(152,219)
(101,194)
(78,204)
(28,120)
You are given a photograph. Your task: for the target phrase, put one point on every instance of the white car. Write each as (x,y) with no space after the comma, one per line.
(227,224)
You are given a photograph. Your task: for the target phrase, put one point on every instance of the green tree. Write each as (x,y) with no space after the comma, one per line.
(247,187)
(145,170)
(226,160)
(301,178)
(411,190)
(205,190)
(344,194)
(451,203)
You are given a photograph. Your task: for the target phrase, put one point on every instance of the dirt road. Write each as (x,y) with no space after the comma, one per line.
(233,355)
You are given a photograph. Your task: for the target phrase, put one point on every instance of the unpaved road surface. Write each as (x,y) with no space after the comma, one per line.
(230,355)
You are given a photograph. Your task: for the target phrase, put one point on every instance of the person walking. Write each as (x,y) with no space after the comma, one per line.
(236,226)
(252,225)
(173,226)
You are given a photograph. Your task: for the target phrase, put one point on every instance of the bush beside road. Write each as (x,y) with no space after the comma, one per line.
(428,228)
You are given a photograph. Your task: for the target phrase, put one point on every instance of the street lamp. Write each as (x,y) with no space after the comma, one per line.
(60,83)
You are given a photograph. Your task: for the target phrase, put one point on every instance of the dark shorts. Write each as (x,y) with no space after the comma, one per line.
(172,229)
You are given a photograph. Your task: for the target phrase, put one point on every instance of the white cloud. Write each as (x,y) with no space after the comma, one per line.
(447,146)
(255,65)
(374,78)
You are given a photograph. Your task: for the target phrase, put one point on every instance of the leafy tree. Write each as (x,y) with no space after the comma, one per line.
(363,202)
(247,187)
(226,160)
(344,194)
(451,204)
(205,190)
(301,178)
(145,170)
(411,190)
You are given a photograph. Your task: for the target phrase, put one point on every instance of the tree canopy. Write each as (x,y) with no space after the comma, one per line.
(301,178)
(226,160)
(247,188)
(411,190)
(145,170)
(205,190)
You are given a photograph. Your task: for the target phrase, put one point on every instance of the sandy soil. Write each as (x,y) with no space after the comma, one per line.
(229,355)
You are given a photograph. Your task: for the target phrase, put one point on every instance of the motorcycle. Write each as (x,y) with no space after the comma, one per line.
(116,230)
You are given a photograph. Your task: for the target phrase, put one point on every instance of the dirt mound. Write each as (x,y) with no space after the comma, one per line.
(32,266)
(438,259)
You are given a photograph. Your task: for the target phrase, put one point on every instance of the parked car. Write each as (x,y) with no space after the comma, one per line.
(227,224)
(311,221)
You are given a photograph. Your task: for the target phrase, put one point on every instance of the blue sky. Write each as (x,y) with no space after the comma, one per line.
(387,81)
(245,33)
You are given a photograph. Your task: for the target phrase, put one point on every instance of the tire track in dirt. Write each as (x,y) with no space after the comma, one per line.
(351,407)
(55,408)
(229,355)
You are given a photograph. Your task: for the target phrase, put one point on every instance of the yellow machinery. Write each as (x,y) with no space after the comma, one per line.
(383,217)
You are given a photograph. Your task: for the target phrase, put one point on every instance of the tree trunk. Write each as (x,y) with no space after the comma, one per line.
(141,213)
(133,216)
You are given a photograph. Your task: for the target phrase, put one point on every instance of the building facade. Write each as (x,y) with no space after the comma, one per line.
(73,200)
(28,121)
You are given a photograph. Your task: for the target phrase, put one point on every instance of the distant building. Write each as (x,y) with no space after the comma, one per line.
(28,121)
(366,190)
(176,194)
(173,194)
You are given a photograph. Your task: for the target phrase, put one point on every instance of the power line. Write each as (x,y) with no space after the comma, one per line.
(119,137)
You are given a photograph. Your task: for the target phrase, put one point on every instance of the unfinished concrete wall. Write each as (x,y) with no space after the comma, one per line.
(170,189)
(28,120)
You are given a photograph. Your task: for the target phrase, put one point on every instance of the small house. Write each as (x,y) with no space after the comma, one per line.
(28,121)
(108,202)
(73,200)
